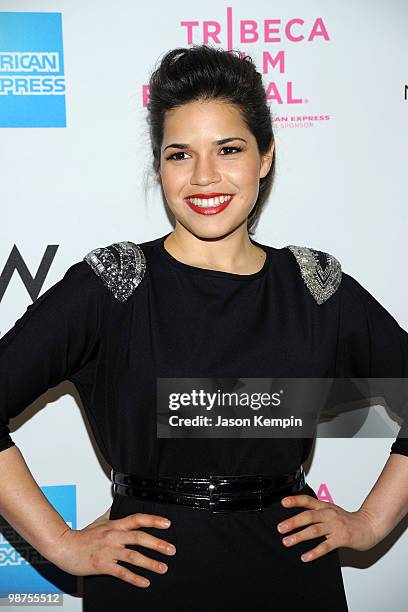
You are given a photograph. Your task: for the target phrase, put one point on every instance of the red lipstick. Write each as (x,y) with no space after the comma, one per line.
(208,210)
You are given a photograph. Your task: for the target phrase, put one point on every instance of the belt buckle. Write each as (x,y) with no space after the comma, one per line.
(216,504)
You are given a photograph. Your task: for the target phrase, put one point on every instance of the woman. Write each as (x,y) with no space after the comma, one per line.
(205,300)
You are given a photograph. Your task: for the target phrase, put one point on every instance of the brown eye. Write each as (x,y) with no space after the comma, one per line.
(172,156)
(236,148)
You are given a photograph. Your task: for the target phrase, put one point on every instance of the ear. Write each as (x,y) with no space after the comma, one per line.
(266,161)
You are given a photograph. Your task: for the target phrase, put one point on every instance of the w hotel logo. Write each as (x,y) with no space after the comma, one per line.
(32,82)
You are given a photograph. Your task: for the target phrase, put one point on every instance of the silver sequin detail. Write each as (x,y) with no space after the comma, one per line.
(120,265)
(321,282)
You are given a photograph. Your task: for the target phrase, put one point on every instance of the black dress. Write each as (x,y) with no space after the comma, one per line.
(112,339)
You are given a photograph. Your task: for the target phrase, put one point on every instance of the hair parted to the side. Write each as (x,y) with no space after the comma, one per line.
(201,72)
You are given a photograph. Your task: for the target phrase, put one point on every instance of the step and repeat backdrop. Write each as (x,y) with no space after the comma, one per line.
(76,174)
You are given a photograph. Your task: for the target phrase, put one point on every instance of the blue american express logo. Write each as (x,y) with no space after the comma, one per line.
(32,81)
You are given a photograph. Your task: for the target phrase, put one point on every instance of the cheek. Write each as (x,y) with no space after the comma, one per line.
(173,182)
(244,175)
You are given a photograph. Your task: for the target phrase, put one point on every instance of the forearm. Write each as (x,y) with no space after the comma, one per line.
(387,503)
(25,507)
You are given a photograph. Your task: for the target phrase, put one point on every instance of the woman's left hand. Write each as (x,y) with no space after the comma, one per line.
(341,528)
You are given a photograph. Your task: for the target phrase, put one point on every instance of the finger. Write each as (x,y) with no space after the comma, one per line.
(313,531)
(141,538)
(301,500)
(304,518)
(137,558)
(322,549)
(128,576)
(134,521)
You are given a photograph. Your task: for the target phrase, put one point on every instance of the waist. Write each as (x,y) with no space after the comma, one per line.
(216,492)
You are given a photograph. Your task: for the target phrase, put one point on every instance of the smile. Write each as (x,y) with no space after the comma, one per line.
(209,205)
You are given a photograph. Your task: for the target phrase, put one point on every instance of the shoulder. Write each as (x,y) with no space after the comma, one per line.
(323,276)
(320,271)
(120,266)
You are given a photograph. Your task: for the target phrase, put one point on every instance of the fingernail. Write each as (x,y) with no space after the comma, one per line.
(145,582)
(305,557)
(171,549)
(166,523)
(283,528)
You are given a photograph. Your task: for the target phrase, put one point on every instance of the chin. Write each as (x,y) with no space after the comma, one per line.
(213,230)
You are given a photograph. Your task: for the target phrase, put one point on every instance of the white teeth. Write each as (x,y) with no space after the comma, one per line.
(210,202)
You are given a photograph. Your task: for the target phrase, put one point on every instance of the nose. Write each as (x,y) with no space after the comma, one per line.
(205,172)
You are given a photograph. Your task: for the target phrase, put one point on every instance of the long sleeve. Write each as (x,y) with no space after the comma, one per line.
(373,345)
(57,336)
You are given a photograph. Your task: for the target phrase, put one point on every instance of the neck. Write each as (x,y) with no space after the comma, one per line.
(230,253)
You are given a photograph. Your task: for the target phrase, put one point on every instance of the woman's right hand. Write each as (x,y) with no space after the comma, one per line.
(95,549)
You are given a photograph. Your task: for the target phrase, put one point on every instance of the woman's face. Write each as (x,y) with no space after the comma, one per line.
(202,167)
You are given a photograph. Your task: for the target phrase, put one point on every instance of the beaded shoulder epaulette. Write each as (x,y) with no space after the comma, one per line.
(120,265)
(321,272)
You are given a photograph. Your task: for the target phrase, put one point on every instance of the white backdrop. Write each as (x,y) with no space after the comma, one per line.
(339,187)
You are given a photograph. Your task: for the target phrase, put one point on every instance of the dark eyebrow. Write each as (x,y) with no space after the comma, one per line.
(180,145)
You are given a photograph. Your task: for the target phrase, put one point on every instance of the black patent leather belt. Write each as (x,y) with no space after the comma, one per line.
(215,493)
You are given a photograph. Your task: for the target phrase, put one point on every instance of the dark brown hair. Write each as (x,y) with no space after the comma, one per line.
(201,72)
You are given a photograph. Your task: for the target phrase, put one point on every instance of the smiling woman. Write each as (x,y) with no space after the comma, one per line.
(211,290)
